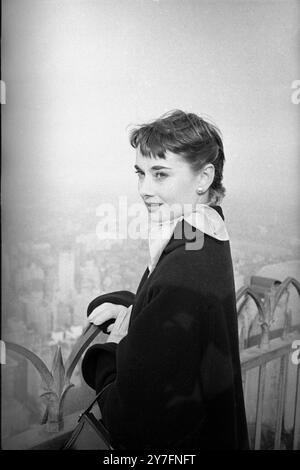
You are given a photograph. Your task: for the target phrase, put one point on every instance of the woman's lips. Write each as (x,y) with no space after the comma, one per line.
(152,206)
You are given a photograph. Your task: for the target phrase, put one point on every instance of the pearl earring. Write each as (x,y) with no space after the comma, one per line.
(200,191)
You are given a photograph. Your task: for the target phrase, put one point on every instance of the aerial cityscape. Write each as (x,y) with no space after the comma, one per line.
(54,269)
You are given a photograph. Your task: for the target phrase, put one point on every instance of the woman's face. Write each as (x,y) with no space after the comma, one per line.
(167,186)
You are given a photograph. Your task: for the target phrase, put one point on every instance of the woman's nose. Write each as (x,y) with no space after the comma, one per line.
(146,187)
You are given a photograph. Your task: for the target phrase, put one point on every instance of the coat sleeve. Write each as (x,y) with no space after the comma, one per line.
(174,358)
(107,351)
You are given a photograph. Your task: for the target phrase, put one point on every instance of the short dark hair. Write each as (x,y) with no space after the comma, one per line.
(188,135)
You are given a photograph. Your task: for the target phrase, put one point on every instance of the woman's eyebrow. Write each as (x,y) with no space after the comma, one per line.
(155,167)
(159,167)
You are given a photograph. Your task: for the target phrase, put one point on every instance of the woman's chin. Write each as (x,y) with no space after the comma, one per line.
(155,216)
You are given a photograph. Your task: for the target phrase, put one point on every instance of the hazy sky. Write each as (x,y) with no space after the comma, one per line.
(78,72)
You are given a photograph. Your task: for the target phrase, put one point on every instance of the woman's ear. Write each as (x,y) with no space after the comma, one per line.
(206,176)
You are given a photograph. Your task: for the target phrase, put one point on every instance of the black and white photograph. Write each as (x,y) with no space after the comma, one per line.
(150,228)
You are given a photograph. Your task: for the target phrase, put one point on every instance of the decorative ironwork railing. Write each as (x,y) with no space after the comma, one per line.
(56,382)
(262,357)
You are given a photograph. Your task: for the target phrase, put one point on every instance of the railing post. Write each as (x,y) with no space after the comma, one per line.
(281,399)
(266,320)
(54,416)
(264,339)
(287,324)
(259,409)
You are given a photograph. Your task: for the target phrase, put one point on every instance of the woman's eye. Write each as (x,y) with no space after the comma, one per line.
(139,173)
(160,175)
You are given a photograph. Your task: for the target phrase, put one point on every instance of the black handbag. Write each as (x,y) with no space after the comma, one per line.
(90,432)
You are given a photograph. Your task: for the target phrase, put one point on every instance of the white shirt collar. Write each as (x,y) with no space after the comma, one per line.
(204,218)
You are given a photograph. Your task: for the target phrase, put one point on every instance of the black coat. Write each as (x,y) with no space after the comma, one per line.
(175,378)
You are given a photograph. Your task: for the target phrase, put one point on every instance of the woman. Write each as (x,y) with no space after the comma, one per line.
(170,364)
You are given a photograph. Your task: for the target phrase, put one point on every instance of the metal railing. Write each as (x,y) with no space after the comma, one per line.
(56,382)
(264,353)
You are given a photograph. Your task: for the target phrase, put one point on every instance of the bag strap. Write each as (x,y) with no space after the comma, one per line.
(95,399)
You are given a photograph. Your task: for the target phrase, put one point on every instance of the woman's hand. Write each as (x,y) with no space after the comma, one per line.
(104,312)
(119,329)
